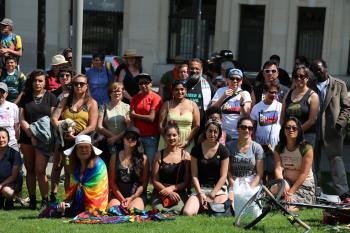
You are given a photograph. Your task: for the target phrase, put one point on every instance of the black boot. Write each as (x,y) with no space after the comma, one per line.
(32,202)
(53,197)
(1,202)
(8,204)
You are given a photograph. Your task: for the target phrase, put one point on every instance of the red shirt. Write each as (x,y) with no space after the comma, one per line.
(53,82)
(143,104)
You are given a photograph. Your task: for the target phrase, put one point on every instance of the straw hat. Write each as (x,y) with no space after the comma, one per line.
(131,53)
(80,139)
(58,60)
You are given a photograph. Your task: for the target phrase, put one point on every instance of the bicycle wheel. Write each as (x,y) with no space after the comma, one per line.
(259,205)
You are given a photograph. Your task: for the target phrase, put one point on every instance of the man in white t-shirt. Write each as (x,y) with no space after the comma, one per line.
(9,116)
(266,116)
(233,101)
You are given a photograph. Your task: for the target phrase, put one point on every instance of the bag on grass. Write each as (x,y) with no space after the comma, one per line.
(220,209)
(167,202)
(242,192)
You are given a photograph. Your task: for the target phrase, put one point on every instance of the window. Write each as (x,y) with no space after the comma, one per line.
(182,28)
(251,33)
(103,26)
(310,32)
(2,9)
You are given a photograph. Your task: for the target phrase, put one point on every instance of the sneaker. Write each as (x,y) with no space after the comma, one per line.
(44,204)
(21,201)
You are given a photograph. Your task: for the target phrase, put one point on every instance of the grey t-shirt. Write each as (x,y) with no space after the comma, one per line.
(244,164)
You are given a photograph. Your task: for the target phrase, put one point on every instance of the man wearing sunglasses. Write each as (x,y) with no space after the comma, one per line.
(270,73)
(331,124)
(266,116)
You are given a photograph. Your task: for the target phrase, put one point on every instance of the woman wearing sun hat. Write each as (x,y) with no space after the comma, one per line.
(53,81)
(88,188)
(128,74)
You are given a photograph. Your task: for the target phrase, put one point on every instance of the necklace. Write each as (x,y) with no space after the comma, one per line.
(39,98)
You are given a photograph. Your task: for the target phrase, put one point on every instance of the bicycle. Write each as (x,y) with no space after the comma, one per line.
(261,203)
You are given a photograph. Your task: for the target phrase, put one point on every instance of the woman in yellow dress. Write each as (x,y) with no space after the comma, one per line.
(183,112)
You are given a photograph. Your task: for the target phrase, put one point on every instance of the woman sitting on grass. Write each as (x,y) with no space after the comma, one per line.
(88,188)
(246,157)
(128,173)
(170,173)
(10,171)
(209,166)
(293,163)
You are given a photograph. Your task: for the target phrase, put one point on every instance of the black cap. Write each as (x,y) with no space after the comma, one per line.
(143,75)
(226,54)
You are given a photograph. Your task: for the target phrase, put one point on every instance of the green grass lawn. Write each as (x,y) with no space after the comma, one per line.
(25,220)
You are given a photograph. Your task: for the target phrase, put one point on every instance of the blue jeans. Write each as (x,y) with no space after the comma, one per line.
(150,146)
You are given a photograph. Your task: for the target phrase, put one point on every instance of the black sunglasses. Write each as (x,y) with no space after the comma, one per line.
(246,127)
(291,127)
(77,84)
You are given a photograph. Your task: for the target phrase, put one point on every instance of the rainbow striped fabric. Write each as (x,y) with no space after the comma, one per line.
(89,191)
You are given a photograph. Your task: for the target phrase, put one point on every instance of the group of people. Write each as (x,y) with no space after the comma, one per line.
(113,134)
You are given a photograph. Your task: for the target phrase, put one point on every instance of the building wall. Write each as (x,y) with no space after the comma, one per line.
(24,15)
(146,29)
(280,29)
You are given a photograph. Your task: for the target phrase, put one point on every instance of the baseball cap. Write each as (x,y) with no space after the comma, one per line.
(7,21)
(3,86)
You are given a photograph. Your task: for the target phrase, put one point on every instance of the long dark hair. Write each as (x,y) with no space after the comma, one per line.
(71,92)
(137,157)
(300,141)
(28,86)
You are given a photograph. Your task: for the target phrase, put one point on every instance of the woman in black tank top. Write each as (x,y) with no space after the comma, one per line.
(170,173)
(302,102)
(128,173)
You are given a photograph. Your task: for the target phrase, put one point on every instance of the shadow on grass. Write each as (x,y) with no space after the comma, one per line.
(28,217)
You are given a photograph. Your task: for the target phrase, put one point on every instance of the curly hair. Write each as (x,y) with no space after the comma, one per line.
(28,86)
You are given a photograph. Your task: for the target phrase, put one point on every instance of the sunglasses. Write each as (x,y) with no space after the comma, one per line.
(235,79)
(131,137)
(291,127)
(144,83)
(300,77)
(267,71)
(2,92)
(64,75)
(79,84)
(246,127)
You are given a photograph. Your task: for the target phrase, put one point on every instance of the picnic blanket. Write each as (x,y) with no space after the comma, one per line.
(116,214)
